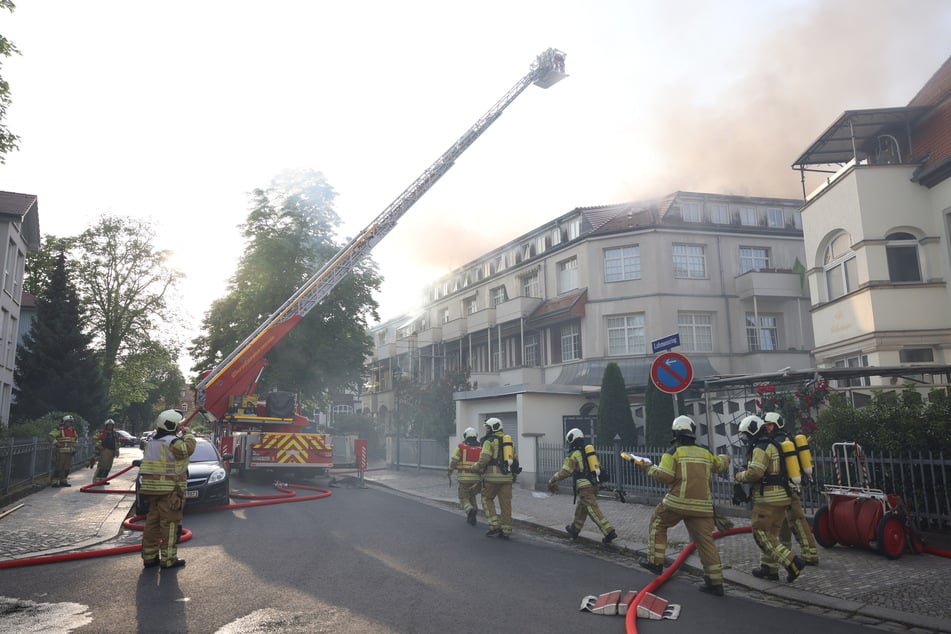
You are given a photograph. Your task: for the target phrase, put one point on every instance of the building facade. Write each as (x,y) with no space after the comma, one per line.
(537,320)
(877,234)
(19,234)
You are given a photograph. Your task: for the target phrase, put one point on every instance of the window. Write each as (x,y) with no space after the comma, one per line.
(498,295)
(444,316)
(691,212)
(540,244)
(753,259)
(748,216)
(567,275)
(774,218)
(916,355)
(574,228)
(857,361)
(901,249)
(763,335)
(530,285)
(626,334)
(8,267)
(689,261)
(570,342)
(720,214)
(555,236)
(531,356)
(696,331)
(623,263)
(470,305)
(343,409)
(839,266)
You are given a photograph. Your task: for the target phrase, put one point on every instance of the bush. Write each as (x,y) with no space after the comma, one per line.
(41,427)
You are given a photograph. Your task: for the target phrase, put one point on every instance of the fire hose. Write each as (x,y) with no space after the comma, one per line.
(286,495)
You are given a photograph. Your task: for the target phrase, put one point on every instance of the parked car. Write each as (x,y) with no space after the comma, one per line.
(208,482)
(126,439)
(145,438)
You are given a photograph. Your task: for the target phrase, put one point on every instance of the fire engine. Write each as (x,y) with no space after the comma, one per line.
(270,433)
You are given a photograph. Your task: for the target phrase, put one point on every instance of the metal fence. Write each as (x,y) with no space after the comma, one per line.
(921,480)
(26,462)
(423,453)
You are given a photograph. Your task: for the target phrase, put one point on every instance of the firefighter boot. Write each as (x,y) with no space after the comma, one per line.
(610,537)
(794,569)
(572,531)
(655,568)
(471,516)
(709,588)
(763,572)
(493,532)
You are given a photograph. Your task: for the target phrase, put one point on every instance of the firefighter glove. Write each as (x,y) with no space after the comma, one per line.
(552,487)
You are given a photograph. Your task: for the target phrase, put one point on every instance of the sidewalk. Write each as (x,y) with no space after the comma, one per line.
(852,583)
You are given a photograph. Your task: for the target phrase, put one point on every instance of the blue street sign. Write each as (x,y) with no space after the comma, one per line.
(666,343)
(671,372)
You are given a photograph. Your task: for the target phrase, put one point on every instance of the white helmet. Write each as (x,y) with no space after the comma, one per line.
(109,421)
(168,420)
(776,418)
(751,426)
(573,435)
(493,424)
(470,433)
(684,426)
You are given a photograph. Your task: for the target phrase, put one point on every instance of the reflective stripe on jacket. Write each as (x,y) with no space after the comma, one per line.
(765,461)
(574,462)
(63,439)
(165,463)
(492,452)
(463,459)
(687,472)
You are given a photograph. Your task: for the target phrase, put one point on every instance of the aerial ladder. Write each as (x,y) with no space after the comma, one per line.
(222,394)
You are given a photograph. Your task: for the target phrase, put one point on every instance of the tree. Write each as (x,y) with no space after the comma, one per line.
(56,368)
(290,234)
(429,411)
(41,263)
(614,410)
(659,414)
(8,140)
(147,382)
(124,282)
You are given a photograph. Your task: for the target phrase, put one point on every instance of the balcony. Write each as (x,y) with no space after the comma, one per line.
(454,329)
(770,283)
(429,337)
(482,319)
(516,308)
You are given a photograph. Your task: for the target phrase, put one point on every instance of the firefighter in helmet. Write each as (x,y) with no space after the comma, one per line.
(464,457)
(63,443)
(687,469)
(107,448)
(770,493)
(498,464)
(163,476)
(584,471)
(795,522)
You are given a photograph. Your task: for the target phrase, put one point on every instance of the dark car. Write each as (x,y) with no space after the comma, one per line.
(126,439)
(208,483)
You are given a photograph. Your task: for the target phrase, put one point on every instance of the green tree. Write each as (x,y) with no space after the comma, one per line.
(124,283)
(614,410)
(658,415)
(147,382)
(8,140)
(429,411)
(56,368)
(290,234)
(41,263)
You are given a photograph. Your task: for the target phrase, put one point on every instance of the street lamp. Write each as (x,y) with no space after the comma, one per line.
(397,375)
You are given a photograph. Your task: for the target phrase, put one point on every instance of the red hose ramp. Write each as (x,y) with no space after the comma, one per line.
(630,619)
(287,495)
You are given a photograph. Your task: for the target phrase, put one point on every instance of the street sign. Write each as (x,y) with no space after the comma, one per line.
(666,343)
(671,372)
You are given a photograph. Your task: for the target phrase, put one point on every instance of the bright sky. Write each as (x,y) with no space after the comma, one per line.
(175,111)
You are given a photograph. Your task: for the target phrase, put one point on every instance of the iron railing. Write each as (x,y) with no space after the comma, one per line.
(27,462)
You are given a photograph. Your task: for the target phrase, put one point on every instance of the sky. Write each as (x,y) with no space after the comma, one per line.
(174,112)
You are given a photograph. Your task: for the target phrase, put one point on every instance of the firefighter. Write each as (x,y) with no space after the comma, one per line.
(584,471)
(498,464)
(795,522)
(464,457)
(164,473)
(686,469)
(63,442)
(770,493)
(107,448)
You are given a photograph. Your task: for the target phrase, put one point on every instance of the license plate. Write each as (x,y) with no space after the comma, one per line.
(191,494)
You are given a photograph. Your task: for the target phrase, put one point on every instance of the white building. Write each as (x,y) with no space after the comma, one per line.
(19,233)
(537,320)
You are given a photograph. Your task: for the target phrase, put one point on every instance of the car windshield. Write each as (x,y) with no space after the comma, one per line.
(204,452)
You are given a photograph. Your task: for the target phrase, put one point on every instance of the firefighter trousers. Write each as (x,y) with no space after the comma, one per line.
(587,506)
(503,491)
(795,523)
(766,524)
(62,463)
(467,494)
(160,535)
(104,463)
(700,528)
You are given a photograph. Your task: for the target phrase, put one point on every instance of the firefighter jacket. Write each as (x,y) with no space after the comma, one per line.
(63,439)
(574,464)
(107,439)
(464,457)
(765,470)
(687,471)
(491,462)
(165,464)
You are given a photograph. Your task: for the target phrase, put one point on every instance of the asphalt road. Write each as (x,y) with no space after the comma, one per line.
(362,560)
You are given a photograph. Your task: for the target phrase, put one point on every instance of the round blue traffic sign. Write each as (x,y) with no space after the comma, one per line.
(671,372)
